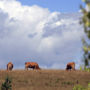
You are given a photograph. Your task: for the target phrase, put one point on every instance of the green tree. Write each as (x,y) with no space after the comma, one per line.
(7,84)
(86,40)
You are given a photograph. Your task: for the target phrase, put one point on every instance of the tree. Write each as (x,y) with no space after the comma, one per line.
(86,40)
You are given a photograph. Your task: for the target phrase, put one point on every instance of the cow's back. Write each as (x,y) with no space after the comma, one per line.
(33,65)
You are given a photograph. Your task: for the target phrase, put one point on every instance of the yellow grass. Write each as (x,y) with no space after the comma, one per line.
(45,79)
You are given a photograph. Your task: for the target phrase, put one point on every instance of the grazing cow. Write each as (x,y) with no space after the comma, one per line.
(70,66)
(9,66)
(32,65)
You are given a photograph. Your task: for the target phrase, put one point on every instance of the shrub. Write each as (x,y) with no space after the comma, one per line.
(78,87)
(87,69)
(7,84)
(88,86)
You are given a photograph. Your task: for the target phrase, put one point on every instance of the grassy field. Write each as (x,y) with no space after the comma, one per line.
(45,79)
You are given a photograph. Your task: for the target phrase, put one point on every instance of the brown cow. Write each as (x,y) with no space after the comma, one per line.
(70,66)
(9,66)
(32,65)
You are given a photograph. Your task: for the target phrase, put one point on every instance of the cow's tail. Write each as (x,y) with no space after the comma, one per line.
(7,66)
(25,63)
(38,67)
(26,66)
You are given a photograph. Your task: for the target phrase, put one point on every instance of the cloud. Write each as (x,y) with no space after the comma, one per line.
(33,33)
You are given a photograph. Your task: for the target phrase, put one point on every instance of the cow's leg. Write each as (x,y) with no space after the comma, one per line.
(7,67)
(73,67)
(35,67)
(26,68)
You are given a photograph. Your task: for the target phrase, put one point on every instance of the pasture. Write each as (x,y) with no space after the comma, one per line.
(45,79)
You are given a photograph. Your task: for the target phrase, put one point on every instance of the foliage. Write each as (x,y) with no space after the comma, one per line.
(84,69)
(86,40)
(79,87)
(7,84)
(87,69)
(88,87)
(81,68)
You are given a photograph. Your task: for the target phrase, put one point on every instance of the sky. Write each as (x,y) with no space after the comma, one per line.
(56,5)
(34,30)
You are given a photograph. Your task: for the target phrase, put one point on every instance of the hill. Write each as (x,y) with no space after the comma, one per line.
(45,79)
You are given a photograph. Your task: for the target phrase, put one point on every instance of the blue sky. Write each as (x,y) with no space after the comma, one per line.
(30,32)
(56,5)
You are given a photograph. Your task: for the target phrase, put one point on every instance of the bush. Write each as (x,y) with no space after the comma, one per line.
(88,87)
(87,69)
(79,87)
(7,84)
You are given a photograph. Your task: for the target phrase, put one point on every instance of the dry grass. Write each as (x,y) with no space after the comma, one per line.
(45,79)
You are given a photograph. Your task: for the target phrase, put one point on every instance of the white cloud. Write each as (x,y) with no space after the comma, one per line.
(51,39)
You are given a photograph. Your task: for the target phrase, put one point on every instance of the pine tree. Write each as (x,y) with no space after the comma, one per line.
(7,84)
(86,40)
